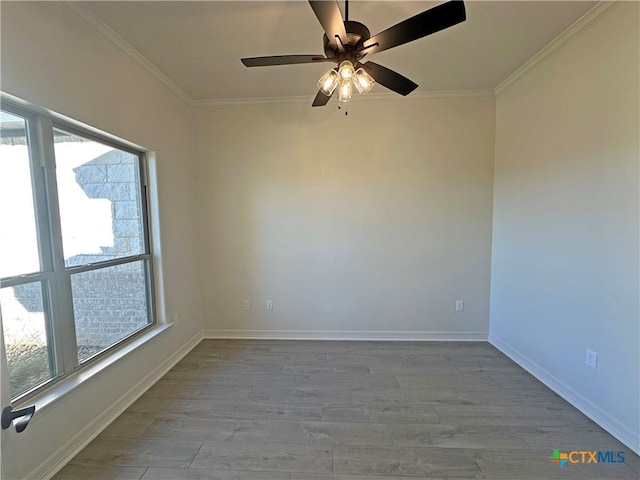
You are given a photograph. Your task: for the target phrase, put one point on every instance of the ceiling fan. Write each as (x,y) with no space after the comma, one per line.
(347,42)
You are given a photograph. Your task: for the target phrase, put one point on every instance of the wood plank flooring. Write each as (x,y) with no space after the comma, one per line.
(313,410)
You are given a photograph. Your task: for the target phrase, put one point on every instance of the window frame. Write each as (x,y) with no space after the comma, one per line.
(54,276)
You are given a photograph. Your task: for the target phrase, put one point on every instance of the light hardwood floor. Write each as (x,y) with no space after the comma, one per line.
(312,410)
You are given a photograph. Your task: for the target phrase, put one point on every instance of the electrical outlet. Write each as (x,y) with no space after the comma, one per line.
(246,305)
(176,319)
(269,304)
(591,358)
(459,305)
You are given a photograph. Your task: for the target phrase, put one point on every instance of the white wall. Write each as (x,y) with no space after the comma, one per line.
(54,59)
(375,222)
(381,230)
(566,211)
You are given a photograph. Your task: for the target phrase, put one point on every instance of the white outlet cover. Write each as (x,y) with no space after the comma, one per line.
(591,358)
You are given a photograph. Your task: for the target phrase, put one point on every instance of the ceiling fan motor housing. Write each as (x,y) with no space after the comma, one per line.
(357,34)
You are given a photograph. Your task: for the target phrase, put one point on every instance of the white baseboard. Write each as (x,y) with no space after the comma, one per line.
(623,433)
(64,454)
(344,335)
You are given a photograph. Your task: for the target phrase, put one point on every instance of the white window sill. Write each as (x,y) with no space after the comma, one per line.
(57,393)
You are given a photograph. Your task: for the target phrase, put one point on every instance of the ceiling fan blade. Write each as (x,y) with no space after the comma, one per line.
(283,60)
(430,21)
(328,13)
(390,79)
(321,99)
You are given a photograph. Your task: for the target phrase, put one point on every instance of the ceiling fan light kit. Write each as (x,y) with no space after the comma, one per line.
(328,82)
(346,43)
(345,91)
(363,81)
(347,78)
(346,70)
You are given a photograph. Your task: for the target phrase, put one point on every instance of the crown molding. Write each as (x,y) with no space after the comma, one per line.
(488,92)
(589,19)
(97,23)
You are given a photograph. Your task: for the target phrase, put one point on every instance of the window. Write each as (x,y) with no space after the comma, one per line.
(75,261)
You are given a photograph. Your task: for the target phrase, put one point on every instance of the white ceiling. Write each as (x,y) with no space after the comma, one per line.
(198,45)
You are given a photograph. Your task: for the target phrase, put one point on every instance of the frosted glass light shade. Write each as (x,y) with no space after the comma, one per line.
(346,70)
(363,81)
(345,91)
(328,82)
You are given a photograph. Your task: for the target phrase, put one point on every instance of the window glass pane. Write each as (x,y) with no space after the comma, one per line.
(18,234)
(109,304)
(99,195)
(25,337)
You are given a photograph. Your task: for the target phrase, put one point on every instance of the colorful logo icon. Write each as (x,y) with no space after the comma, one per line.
(559,458)
(586,456)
